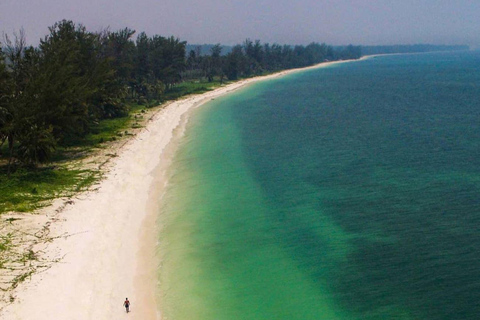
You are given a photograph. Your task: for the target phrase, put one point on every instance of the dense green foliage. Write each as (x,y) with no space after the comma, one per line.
(254,58)
(56,94)
(78,88)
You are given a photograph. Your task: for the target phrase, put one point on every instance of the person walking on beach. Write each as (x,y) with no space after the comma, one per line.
(127,305)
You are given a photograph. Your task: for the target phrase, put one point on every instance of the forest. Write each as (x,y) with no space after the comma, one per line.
(54,94)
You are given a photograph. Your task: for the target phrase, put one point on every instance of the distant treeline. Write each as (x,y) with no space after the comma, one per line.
(369,50)
(55,93)
(254,58)
(205,49)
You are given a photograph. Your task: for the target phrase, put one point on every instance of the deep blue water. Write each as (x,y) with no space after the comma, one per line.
(346,192)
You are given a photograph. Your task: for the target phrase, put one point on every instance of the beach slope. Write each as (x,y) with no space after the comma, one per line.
(104,239)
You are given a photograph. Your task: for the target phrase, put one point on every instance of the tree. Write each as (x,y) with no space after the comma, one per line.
(5,96)
(254,56)
(235,63)
(75,85)
(121,53)
(15,77)
(56,92)
(351,52)
(14,52)
(65,80)
(167,56)
(213,64)
(143,73)
(36,145)
(274,57)
(174,61)
(194,57)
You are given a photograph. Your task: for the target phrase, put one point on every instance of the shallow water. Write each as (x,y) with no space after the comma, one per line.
(348,192)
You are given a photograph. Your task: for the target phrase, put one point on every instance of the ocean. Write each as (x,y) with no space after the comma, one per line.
(345,192)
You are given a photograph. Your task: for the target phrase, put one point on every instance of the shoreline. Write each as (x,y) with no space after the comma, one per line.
(105,239)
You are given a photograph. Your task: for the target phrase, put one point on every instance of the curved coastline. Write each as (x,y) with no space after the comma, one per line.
(106,239)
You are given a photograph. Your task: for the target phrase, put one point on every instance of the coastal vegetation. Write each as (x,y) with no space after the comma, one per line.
(78,89)
(57,93)
(365,50)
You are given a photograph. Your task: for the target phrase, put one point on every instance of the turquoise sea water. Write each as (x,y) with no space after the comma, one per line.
(348,192)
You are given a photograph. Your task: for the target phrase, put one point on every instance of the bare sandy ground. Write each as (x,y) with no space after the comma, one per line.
(104,240)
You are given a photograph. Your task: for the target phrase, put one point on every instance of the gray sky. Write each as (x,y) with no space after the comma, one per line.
(230,22)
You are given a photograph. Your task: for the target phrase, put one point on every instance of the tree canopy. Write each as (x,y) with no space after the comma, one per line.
(55,93)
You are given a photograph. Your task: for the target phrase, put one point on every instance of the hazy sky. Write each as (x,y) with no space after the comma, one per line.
(230,22)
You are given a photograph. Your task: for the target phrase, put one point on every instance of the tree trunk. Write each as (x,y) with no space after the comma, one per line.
(10,149)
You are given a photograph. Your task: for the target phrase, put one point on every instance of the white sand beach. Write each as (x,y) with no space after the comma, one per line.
(104,239)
